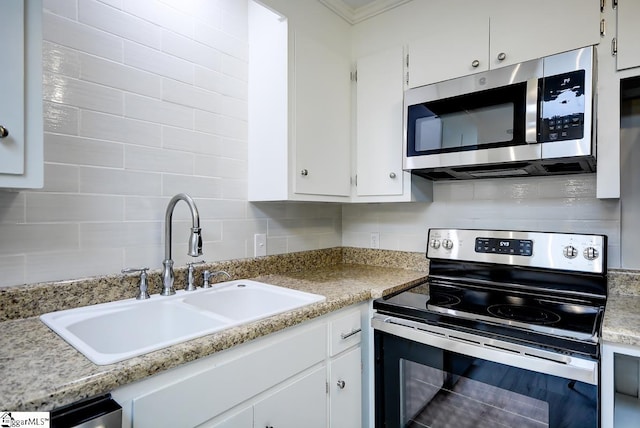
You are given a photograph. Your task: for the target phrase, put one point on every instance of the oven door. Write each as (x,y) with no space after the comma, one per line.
(427,376)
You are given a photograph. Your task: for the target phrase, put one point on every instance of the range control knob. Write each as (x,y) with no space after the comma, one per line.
(570,252)
(435,244)
(591,253)
(447,243)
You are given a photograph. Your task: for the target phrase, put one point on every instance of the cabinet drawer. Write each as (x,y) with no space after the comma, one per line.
(345,332)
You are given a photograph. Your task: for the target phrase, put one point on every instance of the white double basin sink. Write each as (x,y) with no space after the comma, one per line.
(111,332)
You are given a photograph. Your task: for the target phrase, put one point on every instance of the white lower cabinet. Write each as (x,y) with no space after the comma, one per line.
(345,389)
(620,386)
(305,376)
(301,404)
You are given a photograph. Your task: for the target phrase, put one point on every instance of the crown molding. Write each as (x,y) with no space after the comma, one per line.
(355,15)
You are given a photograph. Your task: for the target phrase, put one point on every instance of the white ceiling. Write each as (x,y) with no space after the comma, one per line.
(354,11)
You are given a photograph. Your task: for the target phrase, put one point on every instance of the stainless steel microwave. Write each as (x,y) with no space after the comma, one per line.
(532,118)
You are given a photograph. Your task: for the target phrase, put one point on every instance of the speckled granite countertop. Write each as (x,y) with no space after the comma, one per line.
(622,315)
(40,371)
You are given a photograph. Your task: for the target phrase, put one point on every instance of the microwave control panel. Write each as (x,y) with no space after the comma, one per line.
(562,106)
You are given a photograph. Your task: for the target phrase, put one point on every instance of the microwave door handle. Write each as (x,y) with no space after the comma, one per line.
(531,112)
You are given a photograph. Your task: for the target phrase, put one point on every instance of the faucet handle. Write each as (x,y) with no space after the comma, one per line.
(207,275)
(191,286)
(144,286)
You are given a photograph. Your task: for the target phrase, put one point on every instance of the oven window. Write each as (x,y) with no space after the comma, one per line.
(419,385)
(436,398)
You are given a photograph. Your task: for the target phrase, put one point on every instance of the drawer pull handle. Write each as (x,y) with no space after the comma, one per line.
(341,384)
(344,336)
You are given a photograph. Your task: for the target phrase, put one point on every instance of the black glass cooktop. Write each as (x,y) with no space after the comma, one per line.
(570,324)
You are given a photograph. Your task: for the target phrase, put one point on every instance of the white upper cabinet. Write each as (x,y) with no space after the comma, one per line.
(493,33)
(451,44)
(379,124)
(321,118)
(21,158)
(299,103)
(524,30)
(628,15)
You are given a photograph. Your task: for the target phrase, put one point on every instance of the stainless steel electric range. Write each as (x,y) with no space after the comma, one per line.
(505,332)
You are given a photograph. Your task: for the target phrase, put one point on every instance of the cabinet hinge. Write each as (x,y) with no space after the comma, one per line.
(407,60)
(354,76)
(602,4)
(406,79)
(356,180)
(614,46)
(327,385)
(603,27)
(614,4)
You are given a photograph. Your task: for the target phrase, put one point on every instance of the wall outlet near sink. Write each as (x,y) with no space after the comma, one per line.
(259,244)
(375,240)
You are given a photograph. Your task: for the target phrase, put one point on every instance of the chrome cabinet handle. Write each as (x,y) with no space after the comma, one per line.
(502,56)
(341,384)
(475,63)
(392,175)
(344,336)
(304,172)
(4,132)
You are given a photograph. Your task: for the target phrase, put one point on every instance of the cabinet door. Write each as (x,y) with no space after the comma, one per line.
(454,36)
(301,404)
(346,390)
(21,162)
(379,124)
(244,419)
(322,105)
(628,34)
(524,30)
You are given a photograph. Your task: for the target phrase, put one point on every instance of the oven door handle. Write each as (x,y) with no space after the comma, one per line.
(498,351)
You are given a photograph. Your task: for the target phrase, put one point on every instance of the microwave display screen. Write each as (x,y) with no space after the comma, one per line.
(562,105)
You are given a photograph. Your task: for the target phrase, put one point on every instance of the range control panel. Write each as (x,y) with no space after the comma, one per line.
(519,247)
(566,251)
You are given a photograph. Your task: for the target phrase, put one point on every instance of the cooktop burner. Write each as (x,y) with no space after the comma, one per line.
(443,299)
(524,313)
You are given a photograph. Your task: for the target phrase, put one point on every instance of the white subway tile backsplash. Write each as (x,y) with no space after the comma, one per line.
(119,182)
(157,62)
(162,15)
(191,141)
(119,76)
(144,255)
(74,150)
(12,207)
(235,189)
(72,34)
(13,269)
(68,9)
(154,110)
(197,187)
(119,23)
(72,209)
(64,90)
(60,118)
(73,264)
(121,129)
(35,238)
(120,234)
(61,60)
(227,44)
(221,125)
(152,159)
(191,50)
(61,178)
(191,96)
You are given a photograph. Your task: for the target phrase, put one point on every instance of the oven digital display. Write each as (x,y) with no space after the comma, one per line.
(517,247)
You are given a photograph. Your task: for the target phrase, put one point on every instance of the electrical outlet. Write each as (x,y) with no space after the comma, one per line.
(260,244)
(375,240)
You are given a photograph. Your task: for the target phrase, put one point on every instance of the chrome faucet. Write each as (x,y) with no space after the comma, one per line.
(195,241)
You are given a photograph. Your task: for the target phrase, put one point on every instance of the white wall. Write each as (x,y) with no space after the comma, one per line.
(144,99)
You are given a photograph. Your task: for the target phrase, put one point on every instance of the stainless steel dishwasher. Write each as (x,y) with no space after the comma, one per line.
(95,412)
